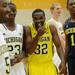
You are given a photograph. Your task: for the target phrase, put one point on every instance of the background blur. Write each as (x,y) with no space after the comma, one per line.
(25,8)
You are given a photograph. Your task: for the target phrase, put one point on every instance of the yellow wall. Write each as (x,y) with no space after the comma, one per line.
(32,4)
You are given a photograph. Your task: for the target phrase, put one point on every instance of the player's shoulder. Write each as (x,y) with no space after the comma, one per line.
(19,28)
(67,21)
(30,25)
(52,27)
(19,25)
(2,28)
(1,25)
(2,41)
(29,28)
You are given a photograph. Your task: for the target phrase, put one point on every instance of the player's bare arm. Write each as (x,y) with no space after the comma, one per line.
(66,49)
(23,54)
(31,46)
(57,43)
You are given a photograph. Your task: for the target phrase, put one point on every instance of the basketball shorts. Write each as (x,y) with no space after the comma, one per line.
(45,68)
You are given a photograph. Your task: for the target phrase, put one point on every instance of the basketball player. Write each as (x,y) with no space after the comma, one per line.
(4,56)
(56,10)
(13,34)
(69,29)
(4,53)
(43,35)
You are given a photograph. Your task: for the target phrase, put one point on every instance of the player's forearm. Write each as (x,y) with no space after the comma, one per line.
(61,53)
(62,43)
(66,58)
(66,53)
(32,46)
(66,49)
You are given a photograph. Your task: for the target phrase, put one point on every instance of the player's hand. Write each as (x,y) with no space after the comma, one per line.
(62,69)
(41,30)
(15,60)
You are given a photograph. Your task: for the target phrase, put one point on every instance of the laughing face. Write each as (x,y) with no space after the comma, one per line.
(38,19)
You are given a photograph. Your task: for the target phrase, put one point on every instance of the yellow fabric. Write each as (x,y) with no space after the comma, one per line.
(44,48)
(40,62)
(46,68)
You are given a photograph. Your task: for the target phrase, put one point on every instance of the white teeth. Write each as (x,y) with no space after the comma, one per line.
(39,24)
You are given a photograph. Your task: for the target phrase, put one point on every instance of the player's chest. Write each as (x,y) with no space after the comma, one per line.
(44,38)
(13,37)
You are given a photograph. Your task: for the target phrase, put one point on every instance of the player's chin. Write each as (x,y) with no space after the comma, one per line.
(10,19)
(73,12)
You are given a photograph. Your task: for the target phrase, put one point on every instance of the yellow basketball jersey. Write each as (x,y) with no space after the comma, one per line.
(43,51)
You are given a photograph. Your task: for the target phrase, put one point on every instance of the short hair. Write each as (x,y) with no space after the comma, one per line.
(54,5)
(11,4)
(37,10)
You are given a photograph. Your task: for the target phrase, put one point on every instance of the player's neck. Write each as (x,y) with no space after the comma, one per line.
(11,26)
(72,18)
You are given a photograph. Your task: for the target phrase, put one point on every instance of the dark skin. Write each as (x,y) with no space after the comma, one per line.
(38,22)
(9,15)
(41,31)
(1,11)
(71,9)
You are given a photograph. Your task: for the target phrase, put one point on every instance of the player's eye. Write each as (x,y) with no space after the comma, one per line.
(35,18)
(41,17)
(4,5)
(13,10)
